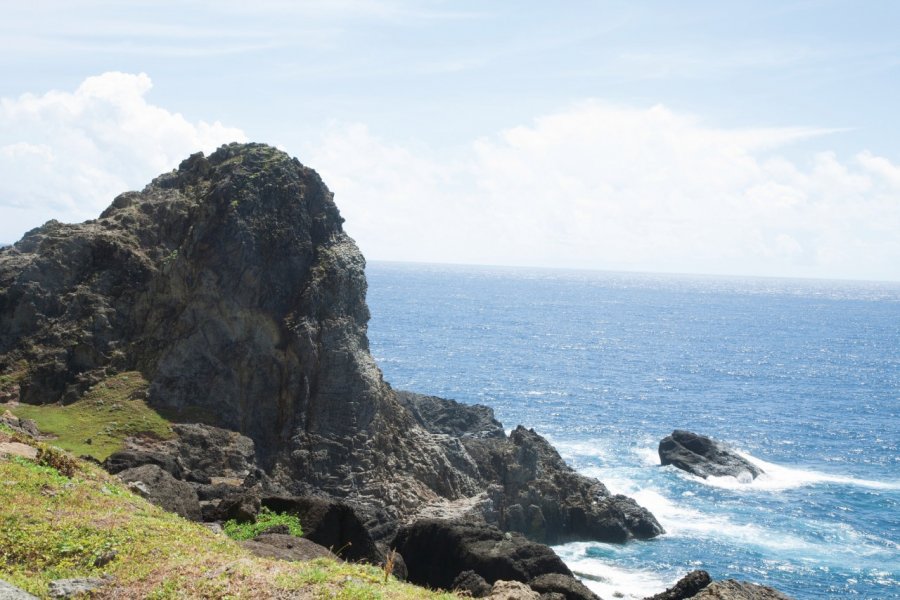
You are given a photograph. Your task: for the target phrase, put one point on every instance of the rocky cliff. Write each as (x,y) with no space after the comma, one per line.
(231,286)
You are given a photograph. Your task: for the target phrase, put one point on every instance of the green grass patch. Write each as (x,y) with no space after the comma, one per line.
(98,423)
(87,524)
(264,520)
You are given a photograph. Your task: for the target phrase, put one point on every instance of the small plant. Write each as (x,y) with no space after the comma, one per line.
(170,257)
(388,565)
(266,519)
(64,463)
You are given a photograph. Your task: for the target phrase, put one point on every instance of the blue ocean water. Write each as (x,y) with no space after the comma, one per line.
(801,376)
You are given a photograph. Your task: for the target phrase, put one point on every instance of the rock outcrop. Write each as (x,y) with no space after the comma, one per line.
(704,457)
(686,587)
(532,490)
(231,287)
(436,552)
(730,589)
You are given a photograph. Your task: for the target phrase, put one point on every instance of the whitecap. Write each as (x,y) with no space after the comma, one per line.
(776,478)
(611,581)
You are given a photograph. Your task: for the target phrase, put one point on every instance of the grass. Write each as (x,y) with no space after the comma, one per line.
(98,423)
(87,524)
(264,520)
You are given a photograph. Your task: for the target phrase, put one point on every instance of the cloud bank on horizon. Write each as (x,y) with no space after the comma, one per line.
(592,185)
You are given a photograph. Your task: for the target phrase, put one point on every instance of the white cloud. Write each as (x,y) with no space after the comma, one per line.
(66,155)
(601,186)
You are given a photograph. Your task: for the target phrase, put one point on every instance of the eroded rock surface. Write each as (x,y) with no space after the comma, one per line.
(704,457)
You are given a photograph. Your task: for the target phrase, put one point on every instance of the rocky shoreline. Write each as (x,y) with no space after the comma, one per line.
(230,286)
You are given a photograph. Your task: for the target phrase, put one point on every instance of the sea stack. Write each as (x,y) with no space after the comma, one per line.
(231,287)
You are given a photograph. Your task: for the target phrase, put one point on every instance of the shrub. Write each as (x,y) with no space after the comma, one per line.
(266,519)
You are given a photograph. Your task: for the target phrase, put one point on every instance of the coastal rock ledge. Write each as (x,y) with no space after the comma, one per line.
(231,287)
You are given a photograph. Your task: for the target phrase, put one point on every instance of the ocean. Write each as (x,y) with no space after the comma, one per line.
(800,376)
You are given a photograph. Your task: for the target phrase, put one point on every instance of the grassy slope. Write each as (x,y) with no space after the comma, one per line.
(111,411)
(54,526)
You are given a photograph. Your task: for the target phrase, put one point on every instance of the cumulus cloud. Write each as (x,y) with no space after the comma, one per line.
(65,155)
(610,187)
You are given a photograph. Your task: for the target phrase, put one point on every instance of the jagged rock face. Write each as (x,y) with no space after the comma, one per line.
(231,286)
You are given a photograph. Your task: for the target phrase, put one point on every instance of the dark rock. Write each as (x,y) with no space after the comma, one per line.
(564,585)
(437,551)
(541,496)
(286,547)
(164,490)
(729,589)
(206,451)
(704,457)
(11,592)
(332,524)
(686,587)
(217,491)
(242,507)
(439,415)
(472,584)
(129,459)
(396,562)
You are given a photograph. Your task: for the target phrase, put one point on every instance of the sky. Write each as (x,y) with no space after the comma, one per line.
(742,138)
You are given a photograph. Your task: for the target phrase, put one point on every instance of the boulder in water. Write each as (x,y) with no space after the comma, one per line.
(704,457)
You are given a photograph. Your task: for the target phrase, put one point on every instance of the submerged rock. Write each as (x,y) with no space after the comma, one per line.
(704,457)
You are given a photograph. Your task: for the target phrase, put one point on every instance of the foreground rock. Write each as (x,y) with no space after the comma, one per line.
(436,552)
(159,487)
(704,457)
(729,589)
(10,592)
(286,547)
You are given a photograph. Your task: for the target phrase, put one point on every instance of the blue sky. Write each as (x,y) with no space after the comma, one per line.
(755,138)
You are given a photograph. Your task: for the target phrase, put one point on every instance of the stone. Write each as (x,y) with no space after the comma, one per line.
(437,551)
(565,585)
(129,459)
(71,588)
(160,488)
(730,589)
(18,449)
(686,587)
(704,457)
(472,584)
(331,524)
(11,592)
(241,507)
(512,590)
(286,547)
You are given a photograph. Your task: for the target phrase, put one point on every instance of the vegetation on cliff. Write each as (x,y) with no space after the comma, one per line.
(88,524)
